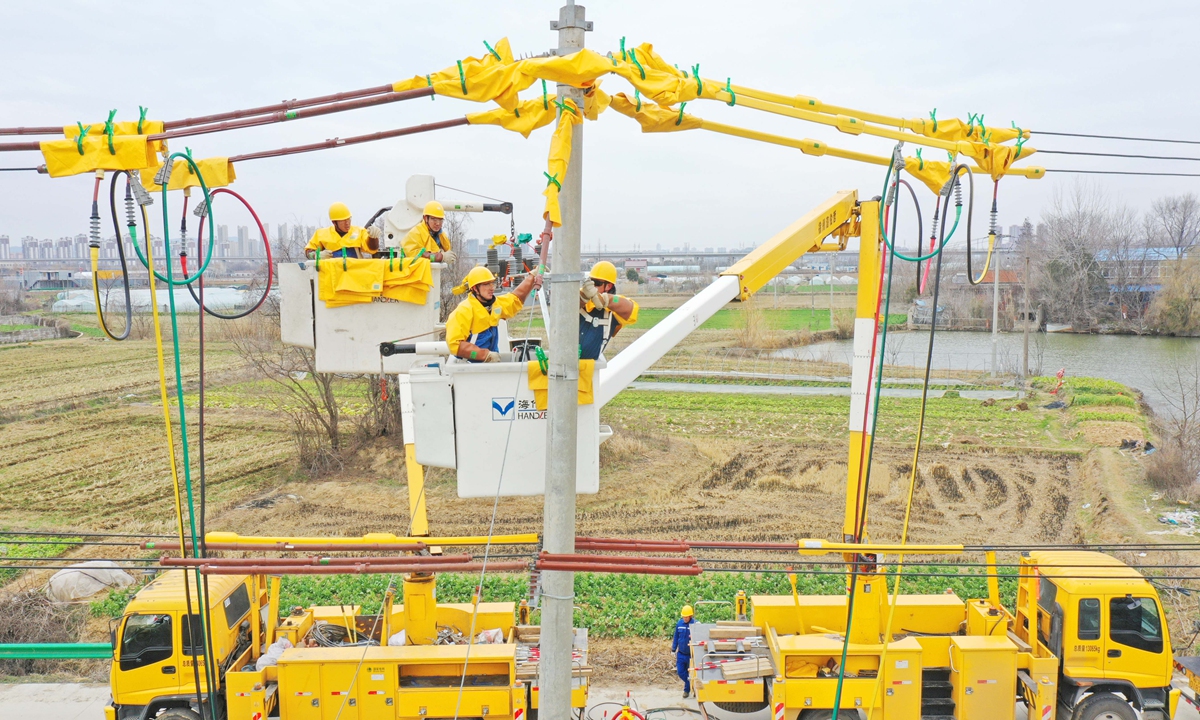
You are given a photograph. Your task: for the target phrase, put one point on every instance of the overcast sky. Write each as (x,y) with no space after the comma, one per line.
(1097,67)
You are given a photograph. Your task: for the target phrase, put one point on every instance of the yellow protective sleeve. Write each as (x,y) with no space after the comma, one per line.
(556,164)
(540,384)
(579,69)
(997,159)
(217,172)
(527,117)
(934,173)
(955,129)
(484,79)
(654,118)
(595,101)
(130,152)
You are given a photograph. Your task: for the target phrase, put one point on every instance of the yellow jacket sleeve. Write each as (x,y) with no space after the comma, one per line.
(633,315)
(458,325)
(419,239)
(509,305)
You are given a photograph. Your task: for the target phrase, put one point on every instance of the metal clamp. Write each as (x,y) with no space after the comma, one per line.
(558,371)
(576,277)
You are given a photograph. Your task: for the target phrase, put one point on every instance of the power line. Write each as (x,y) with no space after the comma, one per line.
(17,169)
(1115,137)
(1121,172)
(1119,155)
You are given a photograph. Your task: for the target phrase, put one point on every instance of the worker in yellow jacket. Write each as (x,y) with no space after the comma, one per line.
(471,330)
(427,236)
(602,313)
(342,239)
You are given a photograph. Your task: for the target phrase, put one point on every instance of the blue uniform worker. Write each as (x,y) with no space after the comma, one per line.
(682,647)
(602,313)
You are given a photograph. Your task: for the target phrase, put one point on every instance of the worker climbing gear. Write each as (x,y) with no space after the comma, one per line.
(604,270)
(338,211)
(433,208)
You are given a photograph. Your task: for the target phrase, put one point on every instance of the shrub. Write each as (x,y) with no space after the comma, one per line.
(1173,471)
(1084,399)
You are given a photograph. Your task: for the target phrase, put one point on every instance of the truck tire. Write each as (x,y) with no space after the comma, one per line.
(178,714)
(1104,706)
(843,714)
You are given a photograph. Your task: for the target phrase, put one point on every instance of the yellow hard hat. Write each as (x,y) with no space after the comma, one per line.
(433,208)
(339,211)
(604,270)
(479,274)
(686,612)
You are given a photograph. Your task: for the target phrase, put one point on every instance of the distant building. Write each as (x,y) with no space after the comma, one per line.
(4,252)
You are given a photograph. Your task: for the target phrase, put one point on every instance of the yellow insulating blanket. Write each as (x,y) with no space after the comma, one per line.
(540,384)
(556,164)
(349,281)
(149,127)
(129,152)
(216,171)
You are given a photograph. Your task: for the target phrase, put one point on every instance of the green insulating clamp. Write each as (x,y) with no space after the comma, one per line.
(462,78)
(524,238)
(633,57)
(563,106)
(543,363)
(679,120)
(517,111)
(150,546)
(141,117)
(290,115)
(920,162)
(83,131)
(638,97)
(613,59)
(545,101)
(623,49)
(392,257)
(493,52)
(699,82)
(732,94)
(553,179)
(324,561)
(933,117)
(344,260)
(109,129)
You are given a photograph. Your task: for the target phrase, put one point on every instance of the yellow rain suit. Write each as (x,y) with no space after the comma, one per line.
(327,238)
(420,238)
(476,324)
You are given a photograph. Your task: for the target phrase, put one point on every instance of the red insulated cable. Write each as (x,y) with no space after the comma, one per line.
(620,568)
(602,559)
(354,140)
(262,231)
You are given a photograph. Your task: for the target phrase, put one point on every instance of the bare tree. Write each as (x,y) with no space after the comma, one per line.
(1174,222)
(1176,307)
(1070,280)
(1175,468)
(455,228)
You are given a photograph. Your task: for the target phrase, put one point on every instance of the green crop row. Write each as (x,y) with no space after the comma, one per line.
(1084,415)
(1084,399)
(12,553)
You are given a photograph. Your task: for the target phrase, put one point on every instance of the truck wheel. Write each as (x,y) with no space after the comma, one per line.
(843,714)
(1104,706)
(178,714)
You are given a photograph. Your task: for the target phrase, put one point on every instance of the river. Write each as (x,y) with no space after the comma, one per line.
(1140,362)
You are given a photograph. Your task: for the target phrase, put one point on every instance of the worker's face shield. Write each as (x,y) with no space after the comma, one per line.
(434,223)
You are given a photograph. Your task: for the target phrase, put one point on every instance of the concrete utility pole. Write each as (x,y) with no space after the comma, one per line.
(1025,285)
(995,311)
(558,518)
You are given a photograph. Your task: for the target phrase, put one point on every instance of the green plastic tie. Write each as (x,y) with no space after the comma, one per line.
(920,161)
(392,258)
(553,179)
(83,131)
(623,57)
(933,117)
(142,117)
(564,107)
(543,362)
(985,135)
(517,111)
(633,57)
(109,129)
(344,259)
(1020,140)
(545,97)
(732,95)
(290,115)
(188,150)
(699,82)
(638,97)
(493,52)
(461,77)
(679,119)
(429,83)
(613,59)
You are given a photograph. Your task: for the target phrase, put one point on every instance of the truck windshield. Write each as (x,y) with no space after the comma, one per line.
(1134,622)
(147,640)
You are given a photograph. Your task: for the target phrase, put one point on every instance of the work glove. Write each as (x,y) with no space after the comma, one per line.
(589,291)
(449,257)
(325,254)
(492,357)
(374,232)
(602,300)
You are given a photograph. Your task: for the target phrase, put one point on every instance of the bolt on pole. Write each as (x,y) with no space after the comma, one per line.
(558,520)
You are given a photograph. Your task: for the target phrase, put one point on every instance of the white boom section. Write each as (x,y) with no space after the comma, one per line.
(646,350)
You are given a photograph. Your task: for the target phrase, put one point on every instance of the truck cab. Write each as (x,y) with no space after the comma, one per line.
(1105,623)
(155,658)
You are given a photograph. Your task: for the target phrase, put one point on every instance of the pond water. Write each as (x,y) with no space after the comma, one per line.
(1144,363)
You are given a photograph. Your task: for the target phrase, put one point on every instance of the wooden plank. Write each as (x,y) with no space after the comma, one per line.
(733,633)
(746,669)
(734,623)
